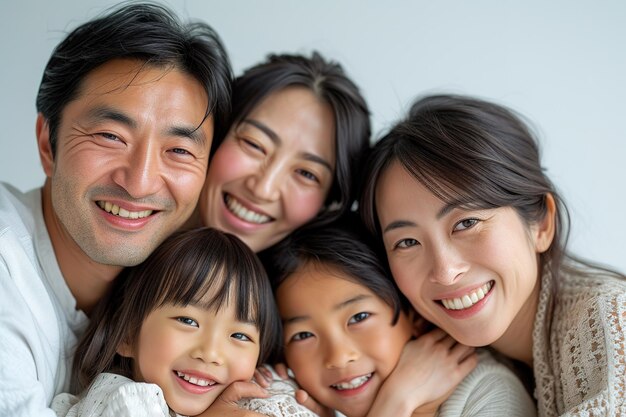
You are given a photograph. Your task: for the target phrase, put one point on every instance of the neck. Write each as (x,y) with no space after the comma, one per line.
(194,221)
(87,280)
(517,341)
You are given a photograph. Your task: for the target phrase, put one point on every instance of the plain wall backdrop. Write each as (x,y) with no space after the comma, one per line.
(560,63)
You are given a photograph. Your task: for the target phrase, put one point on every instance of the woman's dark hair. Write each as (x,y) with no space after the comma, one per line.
(474,154)
(150,33)
(181,271)
(330,84)
(344,245)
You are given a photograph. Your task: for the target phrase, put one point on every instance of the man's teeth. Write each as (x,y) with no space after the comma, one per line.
(243,213)
(118,211)
(354,383)
(468,299)
(194,380)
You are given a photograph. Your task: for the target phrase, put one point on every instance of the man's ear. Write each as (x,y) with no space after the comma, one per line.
(545,229)
(125,349)
(43,144)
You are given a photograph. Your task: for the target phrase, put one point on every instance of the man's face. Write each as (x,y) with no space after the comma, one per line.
(130,160)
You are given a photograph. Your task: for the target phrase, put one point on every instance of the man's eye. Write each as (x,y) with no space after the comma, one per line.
(181,151)
(108,136)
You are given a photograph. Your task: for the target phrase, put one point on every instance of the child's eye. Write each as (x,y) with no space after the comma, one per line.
(465,224)
(241,336)
(301,336)
(188,321)
(358,317)
(406,243)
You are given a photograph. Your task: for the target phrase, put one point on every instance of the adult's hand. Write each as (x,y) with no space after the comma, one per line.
(226,404)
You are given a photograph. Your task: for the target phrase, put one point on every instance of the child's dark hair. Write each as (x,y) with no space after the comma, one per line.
(181,271)
(344,245)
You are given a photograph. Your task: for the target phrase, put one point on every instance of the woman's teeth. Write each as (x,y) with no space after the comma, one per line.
(468,299)
(243,213)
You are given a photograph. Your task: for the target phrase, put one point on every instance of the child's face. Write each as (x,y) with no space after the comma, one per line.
(339,339)
(193,354)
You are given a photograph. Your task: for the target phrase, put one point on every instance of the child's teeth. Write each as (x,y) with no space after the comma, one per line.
(354,383)
(194,380)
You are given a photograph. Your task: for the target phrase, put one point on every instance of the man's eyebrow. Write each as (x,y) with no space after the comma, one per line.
(398,224)
(104,113)
(190,132)
(278,141)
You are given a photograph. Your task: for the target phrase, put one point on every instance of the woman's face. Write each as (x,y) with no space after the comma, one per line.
(274,169)
(473,273)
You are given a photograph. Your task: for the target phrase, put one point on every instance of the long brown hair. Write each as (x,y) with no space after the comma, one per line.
(181,271)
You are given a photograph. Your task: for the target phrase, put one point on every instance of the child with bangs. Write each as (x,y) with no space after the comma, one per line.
(179,334)
(352,345)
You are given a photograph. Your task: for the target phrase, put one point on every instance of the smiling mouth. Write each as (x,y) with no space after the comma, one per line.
(469,299)
(353,383)
(121,212)
(237,209)
(195,380)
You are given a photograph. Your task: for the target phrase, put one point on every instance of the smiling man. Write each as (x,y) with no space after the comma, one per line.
(127,110)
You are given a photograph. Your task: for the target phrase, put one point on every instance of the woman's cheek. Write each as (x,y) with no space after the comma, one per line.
(303,207)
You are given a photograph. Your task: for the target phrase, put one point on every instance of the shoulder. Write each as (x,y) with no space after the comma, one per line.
(584,356)
(491,389)
(115,395)
(588,299)
(17,208)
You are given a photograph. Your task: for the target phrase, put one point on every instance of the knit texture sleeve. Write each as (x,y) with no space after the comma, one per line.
(580,362)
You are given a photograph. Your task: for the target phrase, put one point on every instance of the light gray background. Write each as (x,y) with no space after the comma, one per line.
(561,63)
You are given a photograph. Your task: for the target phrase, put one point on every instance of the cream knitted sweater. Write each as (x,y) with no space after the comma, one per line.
(580,362)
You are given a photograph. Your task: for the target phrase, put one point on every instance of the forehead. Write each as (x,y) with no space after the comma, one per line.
(394,180)
(133,82)
(302,121)
(313,281)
